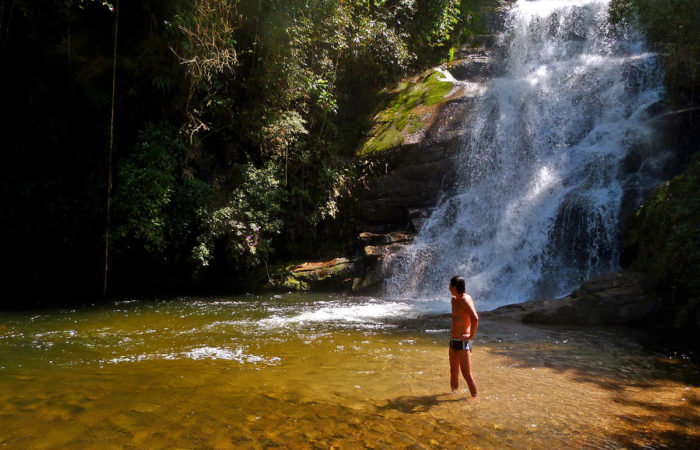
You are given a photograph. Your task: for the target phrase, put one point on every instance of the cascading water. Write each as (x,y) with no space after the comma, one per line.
(556,150)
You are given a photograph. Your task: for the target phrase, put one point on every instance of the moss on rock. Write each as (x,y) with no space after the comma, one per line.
(407,109)
(293,283)
(663,242)
(336,273)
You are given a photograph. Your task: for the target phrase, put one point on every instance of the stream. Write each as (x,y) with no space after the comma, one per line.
(310,370)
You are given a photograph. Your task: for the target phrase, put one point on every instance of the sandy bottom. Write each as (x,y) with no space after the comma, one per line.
(382,386)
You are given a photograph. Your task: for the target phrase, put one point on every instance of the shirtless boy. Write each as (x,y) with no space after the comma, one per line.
(465,321)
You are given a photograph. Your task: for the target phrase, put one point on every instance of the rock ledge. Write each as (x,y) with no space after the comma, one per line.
(616,298)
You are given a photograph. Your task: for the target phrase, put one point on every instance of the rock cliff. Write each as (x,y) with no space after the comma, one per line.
(417,140)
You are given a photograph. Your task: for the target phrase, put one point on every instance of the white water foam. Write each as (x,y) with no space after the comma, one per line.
(198,353)
(226,354)
(365,313)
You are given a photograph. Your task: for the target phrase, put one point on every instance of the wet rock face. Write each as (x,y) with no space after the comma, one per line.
(475,66)
(426,164)
(424,167)
(579,238)
(616,298)
(414,180)
(378,251)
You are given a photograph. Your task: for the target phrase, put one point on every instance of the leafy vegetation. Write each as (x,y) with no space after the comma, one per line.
(236,126)
(663,237)
(664,243)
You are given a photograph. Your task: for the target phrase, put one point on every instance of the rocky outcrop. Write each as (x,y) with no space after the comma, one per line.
(335,274)
(372,239)
(616,298)
(423,165)
(418,138)
(475,65)
(417,141)
(361,274)
(378,250)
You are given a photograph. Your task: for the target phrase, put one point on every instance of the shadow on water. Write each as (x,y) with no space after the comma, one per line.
(417,404)
(656,424)
(612,358)
(656,393)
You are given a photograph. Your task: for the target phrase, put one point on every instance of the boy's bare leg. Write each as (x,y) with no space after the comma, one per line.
(454,370)
(465,362)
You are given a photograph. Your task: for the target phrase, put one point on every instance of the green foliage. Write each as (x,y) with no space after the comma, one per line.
(162,210)
(300,68)
(105,3)
(672,26)
(152,201)
(260,106)
(248,222)
(664,235)
(434,22)
(379,51)
(281,130)
(337,184)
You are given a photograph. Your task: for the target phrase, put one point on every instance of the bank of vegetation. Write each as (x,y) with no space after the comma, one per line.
(663,236)
(235,128)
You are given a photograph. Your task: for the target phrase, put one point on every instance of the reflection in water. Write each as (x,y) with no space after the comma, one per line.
(302,370)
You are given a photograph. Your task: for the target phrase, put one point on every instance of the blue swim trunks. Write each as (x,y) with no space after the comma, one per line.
(458,344)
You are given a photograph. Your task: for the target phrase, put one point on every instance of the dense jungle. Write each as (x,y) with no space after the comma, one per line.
(201,143)
(235,129)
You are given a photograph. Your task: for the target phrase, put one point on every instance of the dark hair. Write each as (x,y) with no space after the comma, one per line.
(458,283)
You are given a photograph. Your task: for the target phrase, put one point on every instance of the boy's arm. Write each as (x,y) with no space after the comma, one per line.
(471,311)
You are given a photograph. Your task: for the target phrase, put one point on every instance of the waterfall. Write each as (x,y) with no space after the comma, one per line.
(560,145)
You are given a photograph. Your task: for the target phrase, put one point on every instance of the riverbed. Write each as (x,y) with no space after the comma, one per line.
(312,370)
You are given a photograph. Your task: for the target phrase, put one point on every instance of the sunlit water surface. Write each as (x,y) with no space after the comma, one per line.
(320,371)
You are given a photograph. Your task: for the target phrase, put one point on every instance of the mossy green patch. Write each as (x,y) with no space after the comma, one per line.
(281,276)
(293,283)
(304,276)
(663,242)
(397,113)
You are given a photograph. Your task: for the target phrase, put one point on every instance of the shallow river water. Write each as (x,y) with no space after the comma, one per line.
(307,371)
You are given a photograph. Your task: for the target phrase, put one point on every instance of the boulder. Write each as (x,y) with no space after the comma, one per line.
(476,65)
(337,273)
(384,239)
(616,298)
(377,255)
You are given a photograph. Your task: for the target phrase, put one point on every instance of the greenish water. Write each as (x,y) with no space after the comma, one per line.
(306,371)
